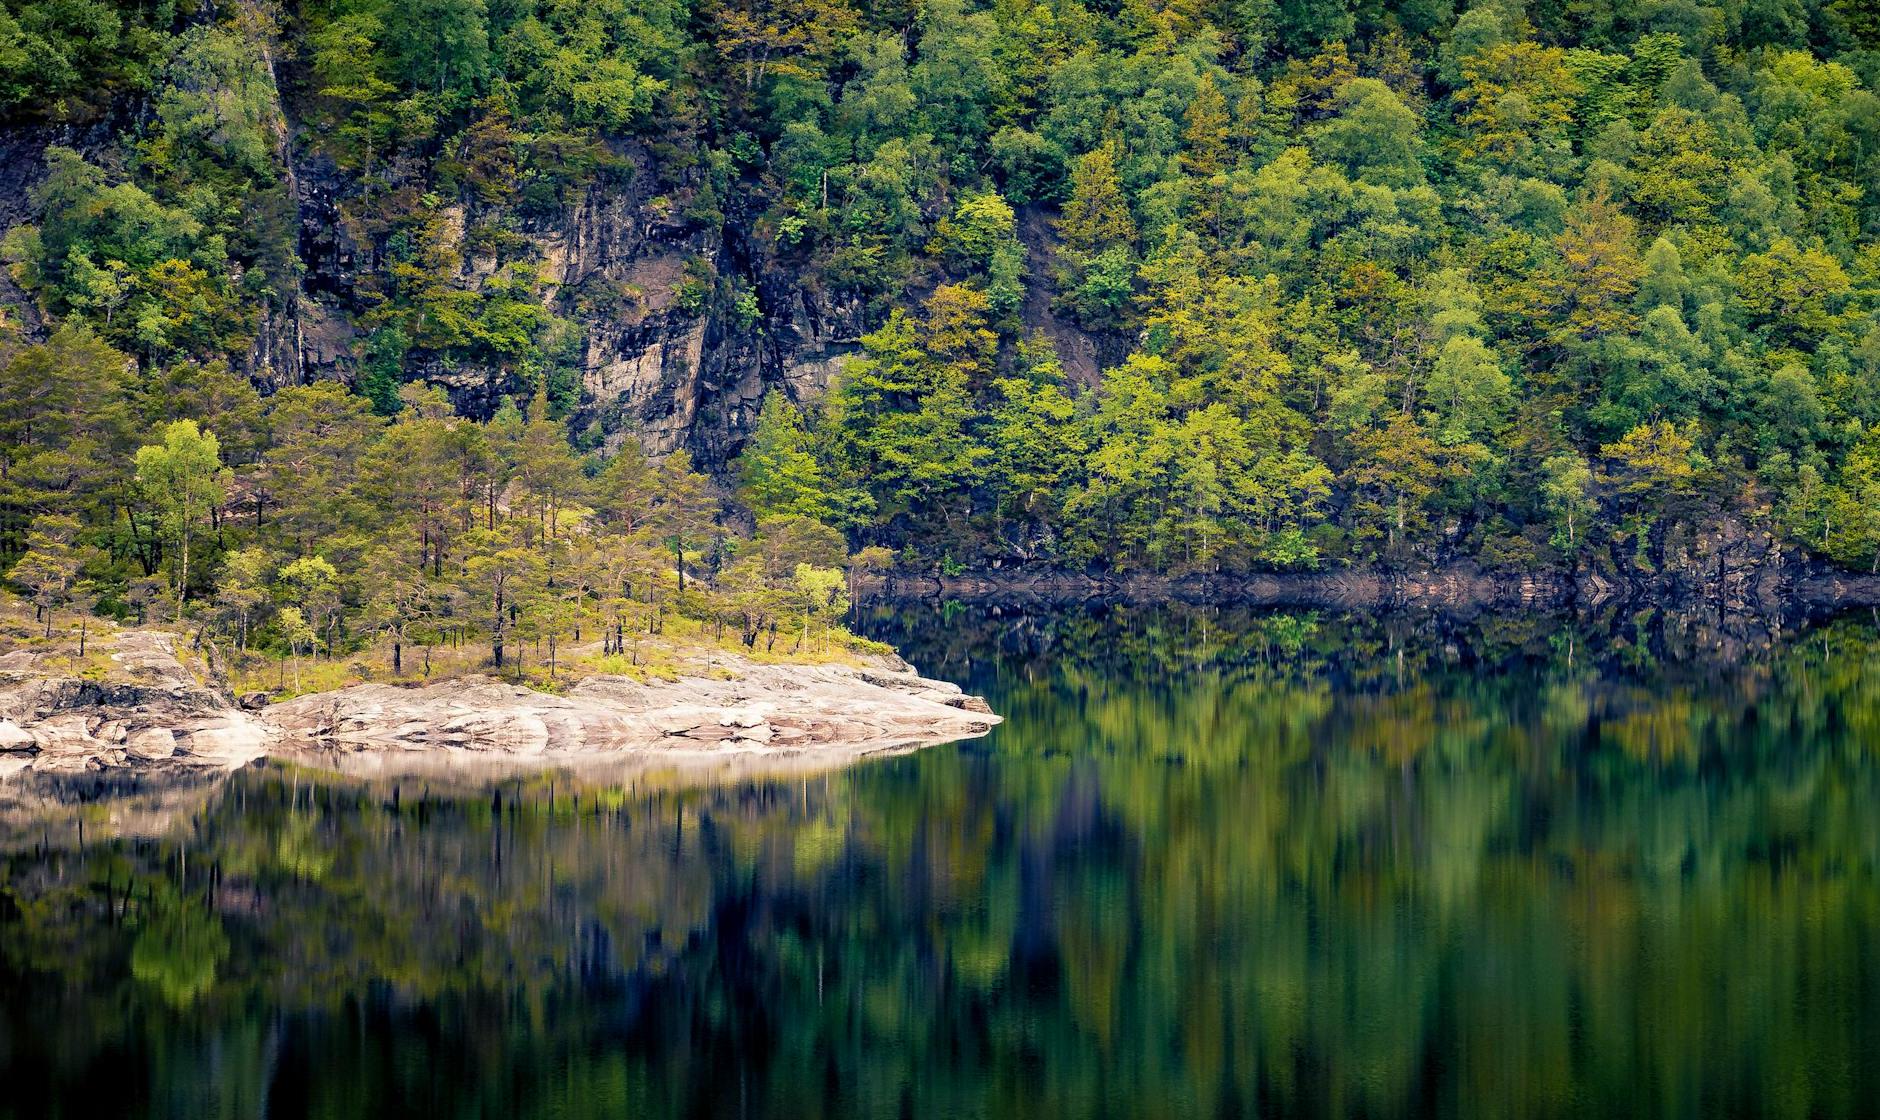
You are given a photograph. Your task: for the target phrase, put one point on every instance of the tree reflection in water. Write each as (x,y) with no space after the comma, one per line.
(1215,863)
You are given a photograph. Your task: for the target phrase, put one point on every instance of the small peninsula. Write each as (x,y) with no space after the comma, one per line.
(134,701)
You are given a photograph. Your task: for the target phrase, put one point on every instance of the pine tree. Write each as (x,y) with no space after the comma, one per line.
(1097,216)
(780,473)
(1204,130)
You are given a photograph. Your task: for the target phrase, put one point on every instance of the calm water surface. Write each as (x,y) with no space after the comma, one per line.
(1216,863)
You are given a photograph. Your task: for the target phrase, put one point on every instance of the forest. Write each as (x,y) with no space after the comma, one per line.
(1162,286)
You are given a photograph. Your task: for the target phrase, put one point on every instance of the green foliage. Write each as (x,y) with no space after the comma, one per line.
(899,414)
(49,568)
(440,46)
(1315,281)
(66,429)
(981,238)
(179,951)
(1097,217)
(1851,527)
(147,276)
(822,594)
(65,58)
(781,475)
(1566,490)
(1374,137)
(182,479)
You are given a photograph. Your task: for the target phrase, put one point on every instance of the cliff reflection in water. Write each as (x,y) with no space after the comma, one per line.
(1215,863)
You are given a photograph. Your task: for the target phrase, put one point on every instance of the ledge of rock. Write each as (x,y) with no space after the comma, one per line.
(154,715)
(762,708)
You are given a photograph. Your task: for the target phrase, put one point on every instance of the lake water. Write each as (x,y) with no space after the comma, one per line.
(1216,863)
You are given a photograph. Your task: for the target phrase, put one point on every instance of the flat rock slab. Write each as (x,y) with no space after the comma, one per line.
(160,715)
(768,708)
(161,718)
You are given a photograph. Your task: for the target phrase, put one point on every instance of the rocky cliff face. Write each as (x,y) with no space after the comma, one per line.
(682,375)
(312,336)
(613,257)
(614,261)
(685,306)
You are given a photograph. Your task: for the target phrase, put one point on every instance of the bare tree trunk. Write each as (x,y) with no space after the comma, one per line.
(182,579)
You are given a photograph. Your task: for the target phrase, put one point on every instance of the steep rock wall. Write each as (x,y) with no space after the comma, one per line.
(612,260)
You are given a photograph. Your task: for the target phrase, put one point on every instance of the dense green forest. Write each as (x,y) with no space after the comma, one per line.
(1160,286)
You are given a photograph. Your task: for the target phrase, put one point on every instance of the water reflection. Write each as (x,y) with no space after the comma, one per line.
(1213,864)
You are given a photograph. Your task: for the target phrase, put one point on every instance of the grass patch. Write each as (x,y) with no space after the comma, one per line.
(254,672)
(58,655)
(684,647)
(625,665)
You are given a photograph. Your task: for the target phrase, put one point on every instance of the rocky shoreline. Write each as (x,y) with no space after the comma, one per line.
(1765,588)
(153,714)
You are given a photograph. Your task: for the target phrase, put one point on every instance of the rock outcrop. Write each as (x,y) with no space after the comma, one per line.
(666,353)
(159,717)
(771,709)
(150,710)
